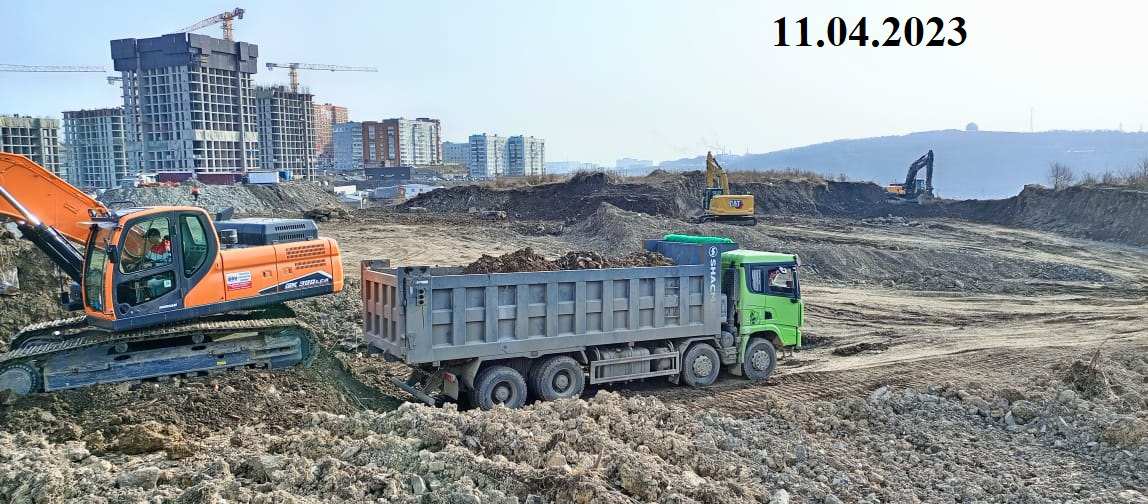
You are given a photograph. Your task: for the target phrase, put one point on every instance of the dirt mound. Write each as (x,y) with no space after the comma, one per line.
(527,260)
(245,199)
(930,443)
(1099,213)
(519,260)
(31,288)
(326,213)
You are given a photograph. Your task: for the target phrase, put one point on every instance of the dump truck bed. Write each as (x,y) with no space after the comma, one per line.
(426,315)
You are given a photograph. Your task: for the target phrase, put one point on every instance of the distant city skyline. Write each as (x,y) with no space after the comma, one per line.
(673,79)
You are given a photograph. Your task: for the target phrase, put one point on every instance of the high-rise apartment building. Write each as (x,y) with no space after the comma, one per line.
(325,116)
(286,131)
(189,105)
(525,156)
(455,153)
(347,138)
(35,138)
(487,156)
(97,150)
(402,142)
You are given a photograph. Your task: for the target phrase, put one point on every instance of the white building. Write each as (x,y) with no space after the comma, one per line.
(487,156)
(97,156)
(347,140)
(525,156)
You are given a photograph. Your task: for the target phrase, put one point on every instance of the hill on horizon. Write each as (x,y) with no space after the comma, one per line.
(968,164)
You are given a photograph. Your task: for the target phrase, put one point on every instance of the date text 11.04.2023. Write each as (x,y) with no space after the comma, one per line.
(892,32)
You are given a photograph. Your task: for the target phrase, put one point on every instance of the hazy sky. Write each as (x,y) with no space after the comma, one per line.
(651,79)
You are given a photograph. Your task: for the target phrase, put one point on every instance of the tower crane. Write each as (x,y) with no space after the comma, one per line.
(225,17)
(4,67)
(293,69)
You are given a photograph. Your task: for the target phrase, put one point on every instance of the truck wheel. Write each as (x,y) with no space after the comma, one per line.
(499,385)
(701,365)
(557,377)
(760,359)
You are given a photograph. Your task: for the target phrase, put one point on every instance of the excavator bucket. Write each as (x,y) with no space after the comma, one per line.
(54,202)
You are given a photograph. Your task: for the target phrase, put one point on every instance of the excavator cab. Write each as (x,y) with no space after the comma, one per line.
(717,204)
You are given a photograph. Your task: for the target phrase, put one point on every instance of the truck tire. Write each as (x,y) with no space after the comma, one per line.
(498,385)
(557,377)
(760,359)
(701,365)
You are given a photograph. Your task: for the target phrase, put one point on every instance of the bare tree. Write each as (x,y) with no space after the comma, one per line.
(1060,175)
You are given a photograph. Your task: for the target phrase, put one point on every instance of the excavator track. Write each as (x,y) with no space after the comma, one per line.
(91,356)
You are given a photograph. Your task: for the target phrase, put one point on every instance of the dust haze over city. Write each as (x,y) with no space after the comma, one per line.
(598,252)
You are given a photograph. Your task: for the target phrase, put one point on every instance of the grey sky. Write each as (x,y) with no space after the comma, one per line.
(650,79)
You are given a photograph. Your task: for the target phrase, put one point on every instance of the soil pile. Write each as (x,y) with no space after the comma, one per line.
(29,287)
(245,199)
(675,195)
(326,213)
(526,259)
(930,444)
(519,260)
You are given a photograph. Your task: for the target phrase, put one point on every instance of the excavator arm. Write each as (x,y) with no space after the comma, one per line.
(925,162)
(49,211)
(715,174)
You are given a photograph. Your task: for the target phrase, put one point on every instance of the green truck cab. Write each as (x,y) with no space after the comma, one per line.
(764,309)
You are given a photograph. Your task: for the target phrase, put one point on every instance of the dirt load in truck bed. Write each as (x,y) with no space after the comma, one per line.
(526,260)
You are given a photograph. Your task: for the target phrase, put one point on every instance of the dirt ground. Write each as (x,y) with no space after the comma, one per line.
(945,361)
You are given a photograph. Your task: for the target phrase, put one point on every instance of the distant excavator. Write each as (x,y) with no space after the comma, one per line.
(915,189)
(718,205)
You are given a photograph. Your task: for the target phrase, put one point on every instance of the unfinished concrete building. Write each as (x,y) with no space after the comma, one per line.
(286,130)
(325,117)
(189,106)
(97,148)
(36,138)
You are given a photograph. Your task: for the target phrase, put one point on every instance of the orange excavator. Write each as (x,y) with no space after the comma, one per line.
(165,291)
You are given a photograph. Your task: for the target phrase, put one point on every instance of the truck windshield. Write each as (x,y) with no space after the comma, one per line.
(778,280)
(96,260)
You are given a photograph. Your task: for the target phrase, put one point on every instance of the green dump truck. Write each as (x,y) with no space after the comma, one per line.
(501,338)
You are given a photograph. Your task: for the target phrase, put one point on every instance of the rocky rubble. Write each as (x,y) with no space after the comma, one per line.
(942,443)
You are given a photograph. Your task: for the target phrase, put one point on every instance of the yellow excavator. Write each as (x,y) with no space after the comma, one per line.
(717,202)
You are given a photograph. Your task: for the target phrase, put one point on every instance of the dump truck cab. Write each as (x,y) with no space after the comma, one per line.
(763,297)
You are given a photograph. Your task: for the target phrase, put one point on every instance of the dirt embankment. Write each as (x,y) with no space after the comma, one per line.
(245,199)
(1098,213)
(32,287)
(1111,214)
(676,195)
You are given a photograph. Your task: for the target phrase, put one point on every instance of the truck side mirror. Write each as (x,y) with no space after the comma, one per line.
(229,236)
(113,253)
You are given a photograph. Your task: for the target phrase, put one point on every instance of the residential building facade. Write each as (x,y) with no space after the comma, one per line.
(286,130)
(455,153)
(35,138)
(402,142)
(97,148)
(525,156)
(189,106)
(487,156)
(347,138)
(325,116)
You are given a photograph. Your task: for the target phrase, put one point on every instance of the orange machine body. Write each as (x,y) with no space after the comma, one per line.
(182,286)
